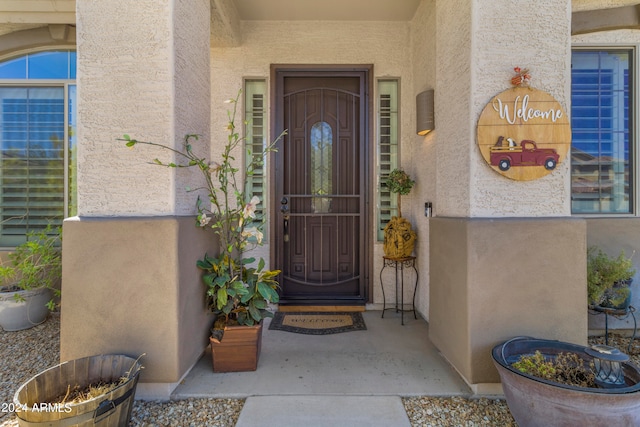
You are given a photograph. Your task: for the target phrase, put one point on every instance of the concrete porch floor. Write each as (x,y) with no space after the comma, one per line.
(387,359)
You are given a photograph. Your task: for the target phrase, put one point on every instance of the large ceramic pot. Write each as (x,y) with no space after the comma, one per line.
(535,402)
(238,350)
(31,311)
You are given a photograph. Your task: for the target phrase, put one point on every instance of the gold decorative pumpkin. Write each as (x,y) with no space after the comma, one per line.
(399,238)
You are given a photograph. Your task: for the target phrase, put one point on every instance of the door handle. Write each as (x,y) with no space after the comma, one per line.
(284,205)
(285,228)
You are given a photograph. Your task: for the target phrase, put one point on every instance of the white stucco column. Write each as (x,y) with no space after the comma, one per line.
(143,70)
(130,283)
(506,257)
(479,44)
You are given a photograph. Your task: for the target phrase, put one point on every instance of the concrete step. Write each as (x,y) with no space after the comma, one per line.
(323,411)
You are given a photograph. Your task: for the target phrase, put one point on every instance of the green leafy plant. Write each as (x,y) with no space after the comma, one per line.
(237,292)
(608,278)
(400,183)
(565,368)
(245,298)
(36,263)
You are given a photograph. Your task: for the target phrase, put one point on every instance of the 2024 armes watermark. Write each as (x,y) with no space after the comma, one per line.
(63,408)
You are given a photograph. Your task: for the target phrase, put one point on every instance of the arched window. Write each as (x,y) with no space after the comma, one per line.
(37,142)
(321,157)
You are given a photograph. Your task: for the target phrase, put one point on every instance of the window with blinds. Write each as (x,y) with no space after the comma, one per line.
(601,166)
(37,167)
(255,114)
(387,124)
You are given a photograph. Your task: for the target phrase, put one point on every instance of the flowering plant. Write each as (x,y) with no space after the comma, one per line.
(238,290)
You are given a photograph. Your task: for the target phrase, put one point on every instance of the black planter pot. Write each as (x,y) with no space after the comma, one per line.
(535,402)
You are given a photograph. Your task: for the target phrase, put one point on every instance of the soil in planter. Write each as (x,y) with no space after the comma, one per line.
(565,368)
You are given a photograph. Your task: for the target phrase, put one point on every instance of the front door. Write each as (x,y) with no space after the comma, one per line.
(321,186)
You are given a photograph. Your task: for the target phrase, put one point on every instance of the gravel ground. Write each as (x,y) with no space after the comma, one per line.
(25,353)
(457,411)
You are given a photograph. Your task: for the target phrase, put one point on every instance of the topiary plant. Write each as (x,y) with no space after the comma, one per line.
(399,182)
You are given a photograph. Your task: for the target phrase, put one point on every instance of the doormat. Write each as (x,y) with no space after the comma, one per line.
(318,323)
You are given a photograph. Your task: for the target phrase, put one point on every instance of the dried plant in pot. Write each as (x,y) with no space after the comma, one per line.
(399,237)
(239,289)
(91,391)
(555,383)
(30,280)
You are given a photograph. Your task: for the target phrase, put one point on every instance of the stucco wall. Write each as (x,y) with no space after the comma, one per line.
(453,113)
(479,44)
(534,35)
(130,283)
(615,37)
(191,94)
(494,279)
(423,148)
(57,36)
(131,286)
(144,74)
(582,5)
(494,266)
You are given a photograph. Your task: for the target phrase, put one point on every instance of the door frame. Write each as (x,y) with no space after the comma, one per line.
(277,74)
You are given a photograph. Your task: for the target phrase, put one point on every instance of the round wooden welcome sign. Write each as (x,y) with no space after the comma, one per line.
(524,133)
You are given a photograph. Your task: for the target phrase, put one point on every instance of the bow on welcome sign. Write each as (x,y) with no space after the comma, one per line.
(524,134)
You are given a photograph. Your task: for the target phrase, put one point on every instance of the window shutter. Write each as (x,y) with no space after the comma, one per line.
(32,162)
(600,111)
(387,149)
(256,137)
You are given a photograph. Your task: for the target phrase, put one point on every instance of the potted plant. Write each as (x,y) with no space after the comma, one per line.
(30,280)
(399,238)
(555,383)
(238,289)
(608,279)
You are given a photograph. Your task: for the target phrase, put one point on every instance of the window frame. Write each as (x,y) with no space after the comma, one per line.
(395,161)
(65,84)
(634,128)
(262,220)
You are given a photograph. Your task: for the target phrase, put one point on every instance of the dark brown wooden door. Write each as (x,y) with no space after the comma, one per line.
(321,186)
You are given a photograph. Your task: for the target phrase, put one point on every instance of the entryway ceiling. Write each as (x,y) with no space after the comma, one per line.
(226,15)
(329,10)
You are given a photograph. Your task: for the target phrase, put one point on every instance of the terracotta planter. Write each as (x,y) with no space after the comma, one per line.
(537,402)
(238,350)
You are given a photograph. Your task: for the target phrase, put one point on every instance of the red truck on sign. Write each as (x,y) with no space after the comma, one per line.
(527,154)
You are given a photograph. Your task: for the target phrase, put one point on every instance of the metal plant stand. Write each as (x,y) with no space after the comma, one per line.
(399,264)
(620,314)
